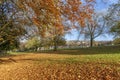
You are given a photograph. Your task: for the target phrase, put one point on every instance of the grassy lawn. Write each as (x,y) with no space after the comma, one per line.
(101,63)
(95,54)
(109,54)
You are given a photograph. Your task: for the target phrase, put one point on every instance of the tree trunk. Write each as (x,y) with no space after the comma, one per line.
(91,42)
(55,43)
(55,48)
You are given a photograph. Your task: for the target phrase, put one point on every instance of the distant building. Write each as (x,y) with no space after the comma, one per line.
(75,43)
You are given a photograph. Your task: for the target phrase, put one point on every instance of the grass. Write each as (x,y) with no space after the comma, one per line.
(98,63)
(97,54)
(109,54)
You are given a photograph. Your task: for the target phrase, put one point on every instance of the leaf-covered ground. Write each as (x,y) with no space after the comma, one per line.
(59,67)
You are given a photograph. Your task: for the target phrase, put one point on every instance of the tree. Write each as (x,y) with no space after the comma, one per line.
(58,40)
(56,37)
(33,43)
(9,32)
(95,28)
(114,13)
(115,30)
(116,41)
(76,12)
(114,19)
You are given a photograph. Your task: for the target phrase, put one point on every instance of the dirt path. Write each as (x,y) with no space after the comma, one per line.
(26,67)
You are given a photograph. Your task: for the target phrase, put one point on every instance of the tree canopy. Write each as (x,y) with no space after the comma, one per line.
(116,29)
(46,14)
(10,30)
(114,19)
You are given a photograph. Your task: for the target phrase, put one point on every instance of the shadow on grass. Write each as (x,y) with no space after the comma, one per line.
(85,51)
(6,55)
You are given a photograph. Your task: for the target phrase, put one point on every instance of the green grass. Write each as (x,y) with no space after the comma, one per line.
(96,58)
(95,55)
(109,54)
(98,50)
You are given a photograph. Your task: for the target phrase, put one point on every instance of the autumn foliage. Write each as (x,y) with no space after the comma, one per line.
(56,67)
(77,11)
(43,13)
(50,13)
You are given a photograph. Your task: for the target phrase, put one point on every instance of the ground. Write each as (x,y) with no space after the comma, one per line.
(101,63)
(57,66)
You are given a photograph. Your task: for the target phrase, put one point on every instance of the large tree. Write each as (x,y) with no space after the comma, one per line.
(10,30)
(95,28)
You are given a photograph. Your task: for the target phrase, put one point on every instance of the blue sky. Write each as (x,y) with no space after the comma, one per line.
(101,6)
(74,36)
